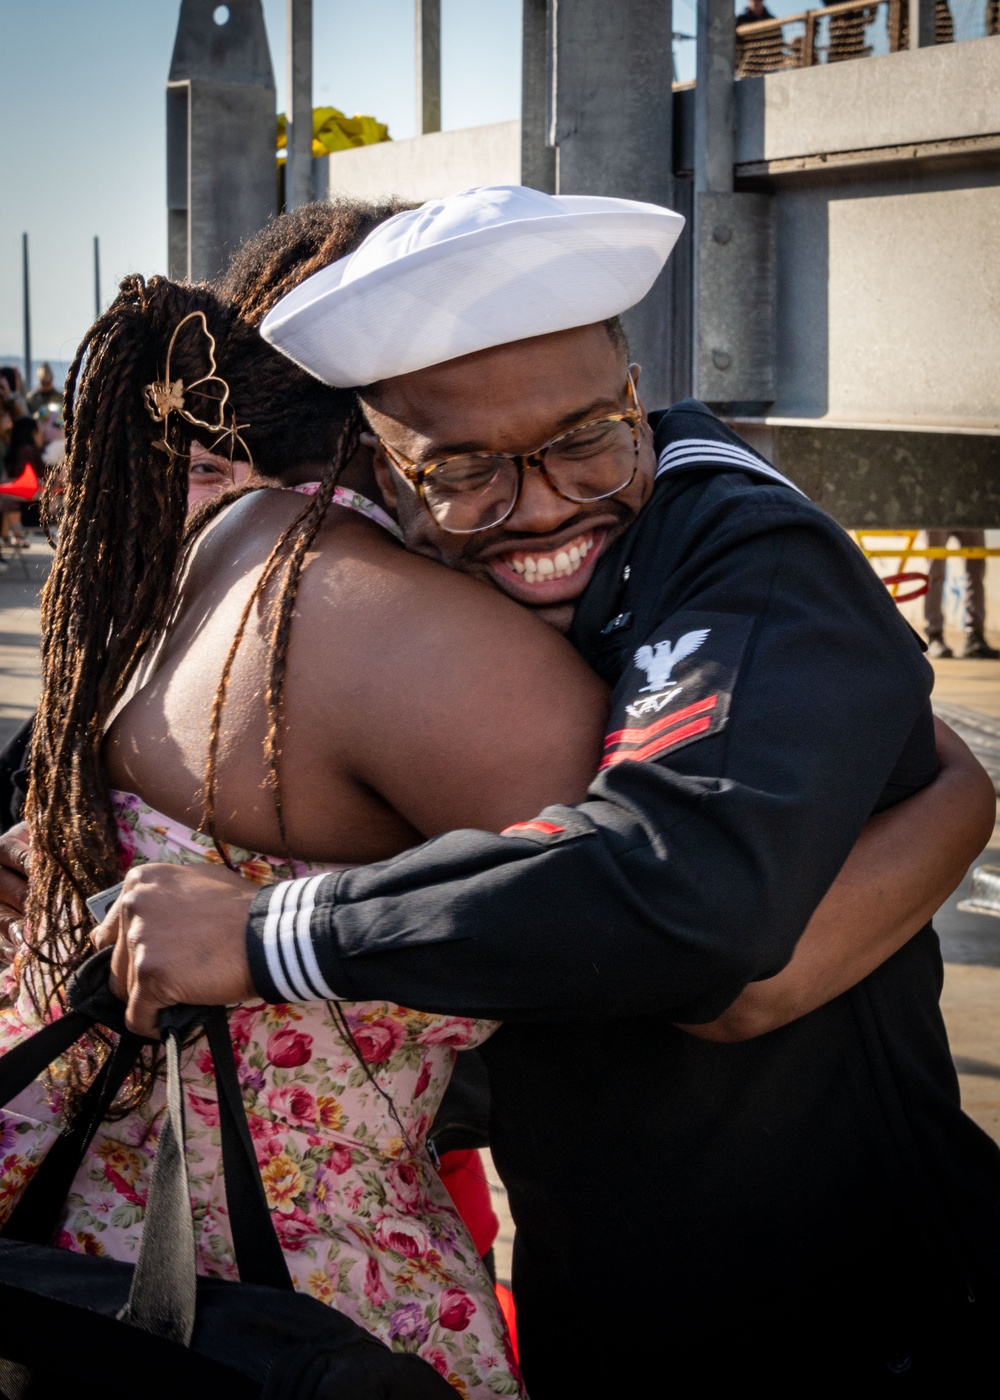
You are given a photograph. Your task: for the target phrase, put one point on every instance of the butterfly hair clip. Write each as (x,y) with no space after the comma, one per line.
(167,395)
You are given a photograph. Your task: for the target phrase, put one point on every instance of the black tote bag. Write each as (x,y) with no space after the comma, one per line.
(89,1327)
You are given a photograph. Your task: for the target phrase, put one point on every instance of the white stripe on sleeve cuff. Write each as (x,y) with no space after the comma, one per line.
(287,939)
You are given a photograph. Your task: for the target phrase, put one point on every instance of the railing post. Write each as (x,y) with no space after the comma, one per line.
(428,66)
(921,23)
(809,41)
(896,25)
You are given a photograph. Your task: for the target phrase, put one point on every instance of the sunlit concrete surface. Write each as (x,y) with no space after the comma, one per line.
(19,589)
(971,942)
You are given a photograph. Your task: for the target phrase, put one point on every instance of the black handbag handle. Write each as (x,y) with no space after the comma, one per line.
(164,1281)
(259,1256)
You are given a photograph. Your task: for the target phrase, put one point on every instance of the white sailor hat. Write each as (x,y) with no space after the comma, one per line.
(461,274)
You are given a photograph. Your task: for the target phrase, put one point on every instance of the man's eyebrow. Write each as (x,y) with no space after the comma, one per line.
(577,415)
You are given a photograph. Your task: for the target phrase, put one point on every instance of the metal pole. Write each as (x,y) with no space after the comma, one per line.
(298,169)
(428,66)
(97,277)
(921,24)
(27,314)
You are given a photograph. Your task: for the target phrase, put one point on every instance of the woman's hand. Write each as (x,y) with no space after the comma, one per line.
(15,862)
(903,867)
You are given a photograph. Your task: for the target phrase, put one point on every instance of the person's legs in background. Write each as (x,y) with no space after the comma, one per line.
(937,647)
(976,646)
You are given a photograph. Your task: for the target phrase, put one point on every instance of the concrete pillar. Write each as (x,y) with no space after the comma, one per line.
(920,28)
(221,180)
(538,154)
(428,66)
(298,61)
(610,120)
(714,99)
(733,315)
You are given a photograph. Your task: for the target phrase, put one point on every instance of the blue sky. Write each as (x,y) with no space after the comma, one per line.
(82,113)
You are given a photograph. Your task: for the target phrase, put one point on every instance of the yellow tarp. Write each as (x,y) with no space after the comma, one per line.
(333,131)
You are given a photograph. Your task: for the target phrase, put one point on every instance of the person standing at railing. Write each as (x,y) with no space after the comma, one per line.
(976,647)
(757,53)
(755,10)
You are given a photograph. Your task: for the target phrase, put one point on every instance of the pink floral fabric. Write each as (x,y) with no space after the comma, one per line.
(363,1219)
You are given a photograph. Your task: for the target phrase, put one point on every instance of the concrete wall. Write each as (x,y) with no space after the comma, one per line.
(934,94)
(888,303)
(425,167)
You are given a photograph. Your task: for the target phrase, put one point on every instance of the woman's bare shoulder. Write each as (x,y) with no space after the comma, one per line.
(451,701)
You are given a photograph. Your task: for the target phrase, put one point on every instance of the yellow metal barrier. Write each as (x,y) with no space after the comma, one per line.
(907,551)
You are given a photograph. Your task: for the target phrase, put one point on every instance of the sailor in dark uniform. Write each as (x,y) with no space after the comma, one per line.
(806,1208)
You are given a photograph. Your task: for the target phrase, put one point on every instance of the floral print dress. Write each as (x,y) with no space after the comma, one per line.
(363,1219)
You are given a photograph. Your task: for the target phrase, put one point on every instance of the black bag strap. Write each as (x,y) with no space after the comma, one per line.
(259,1256)
(36,1215)
(89,1002)
(21,1065)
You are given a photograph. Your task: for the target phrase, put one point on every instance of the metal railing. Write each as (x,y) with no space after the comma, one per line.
(854,29)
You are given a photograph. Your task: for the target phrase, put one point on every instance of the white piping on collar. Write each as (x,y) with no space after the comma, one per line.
(693,451)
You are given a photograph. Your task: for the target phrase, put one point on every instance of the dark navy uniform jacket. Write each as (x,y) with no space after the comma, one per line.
(767,700)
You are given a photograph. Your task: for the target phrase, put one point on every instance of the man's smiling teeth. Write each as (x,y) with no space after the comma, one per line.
(561,563)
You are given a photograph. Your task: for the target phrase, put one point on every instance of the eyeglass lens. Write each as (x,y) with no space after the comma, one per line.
(472,493)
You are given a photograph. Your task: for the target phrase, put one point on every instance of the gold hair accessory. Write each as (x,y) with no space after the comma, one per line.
(165,396)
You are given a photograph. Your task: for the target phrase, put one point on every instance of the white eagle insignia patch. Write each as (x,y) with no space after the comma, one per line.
(658,663)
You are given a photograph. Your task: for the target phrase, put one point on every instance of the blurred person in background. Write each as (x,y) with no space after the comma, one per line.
(7,415)
(976,647)
(24,450)
(755,10)
(12,385)
(46,395)
(53,432)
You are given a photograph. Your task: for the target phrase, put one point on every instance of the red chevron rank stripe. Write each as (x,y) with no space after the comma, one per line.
(546,828)
(658,737)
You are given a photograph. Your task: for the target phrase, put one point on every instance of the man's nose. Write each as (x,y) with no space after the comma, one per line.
(540,510)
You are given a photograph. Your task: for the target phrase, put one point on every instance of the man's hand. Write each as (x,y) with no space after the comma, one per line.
(179,933)
(15,861)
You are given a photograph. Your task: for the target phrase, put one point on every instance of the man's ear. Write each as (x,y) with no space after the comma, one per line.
(635,371)
(384,474)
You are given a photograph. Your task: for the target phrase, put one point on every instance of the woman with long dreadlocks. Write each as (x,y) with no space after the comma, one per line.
(184,719)
(154,657)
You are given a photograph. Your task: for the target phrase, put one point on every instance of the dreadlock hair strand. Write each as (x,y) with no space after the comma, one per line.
(122,511)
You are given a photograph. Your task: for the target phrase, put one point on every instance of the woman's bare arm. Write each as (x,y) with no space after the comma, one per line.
(905,864)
